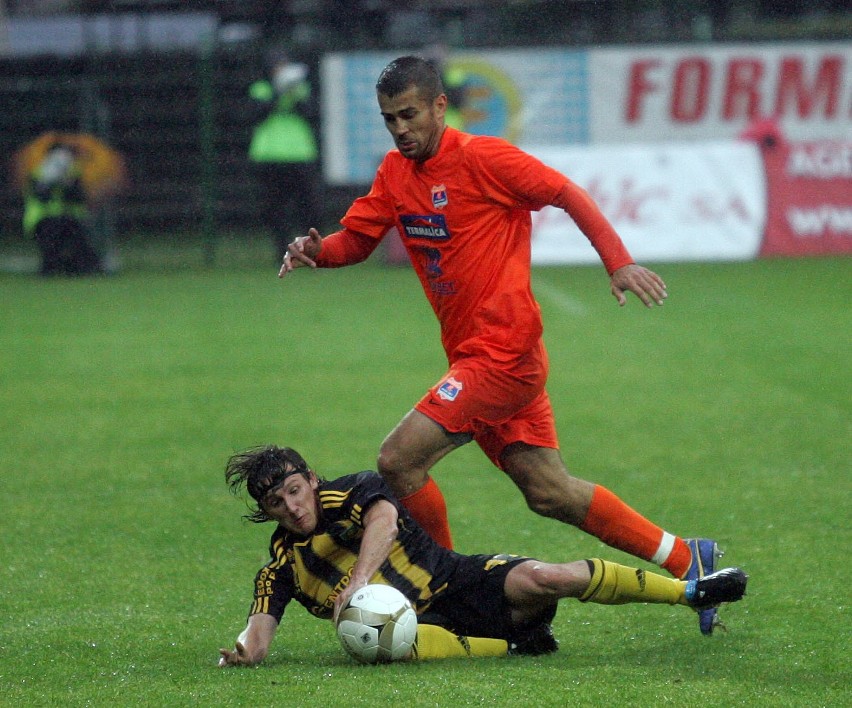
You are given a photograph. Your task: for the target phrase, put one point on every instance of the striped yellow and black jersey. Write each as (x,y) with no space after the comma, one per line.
(313,570)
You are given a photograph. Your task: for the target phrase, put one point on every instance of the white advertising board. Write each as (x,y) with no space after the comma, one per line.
(679,202)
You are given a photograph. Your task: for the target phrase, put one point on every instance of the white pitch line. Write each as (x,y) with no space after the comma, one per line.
(561,299)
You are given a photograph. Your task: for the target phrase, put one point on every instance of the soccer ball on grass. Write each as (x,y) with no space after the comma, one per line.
(378,625)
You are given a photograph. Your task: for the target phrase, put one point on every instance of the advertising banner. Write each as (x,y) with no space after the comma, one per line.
(707,92)
(680,202)
(809,198)
(553,96)
(535,96)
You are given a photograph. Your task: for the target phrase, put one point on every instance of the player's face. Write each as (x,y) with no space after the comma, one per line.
(415,124)
(293,504)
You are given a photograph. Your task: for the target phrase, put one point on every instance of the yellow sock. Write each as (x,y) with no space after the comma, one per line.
(614,584)
(485,646)
(435,642)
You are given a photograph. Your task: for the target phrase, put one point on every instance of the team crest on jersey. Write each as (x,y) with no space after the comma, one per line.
(450,388)
(431,227)
(439,196)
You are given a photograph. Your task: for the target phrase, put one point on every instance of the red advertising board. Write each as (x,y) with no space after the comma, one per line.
(809,197)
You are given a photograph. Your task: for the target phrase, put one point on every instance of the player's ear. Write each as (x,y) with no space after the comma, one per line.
(313,480)
(440,105)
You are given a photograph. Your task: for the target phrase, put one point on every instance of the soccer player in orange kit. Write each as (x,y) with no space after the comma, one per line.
(462,204)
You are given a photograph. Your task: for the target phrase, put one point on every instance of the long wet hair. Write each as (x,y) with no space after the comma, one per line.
(261,469)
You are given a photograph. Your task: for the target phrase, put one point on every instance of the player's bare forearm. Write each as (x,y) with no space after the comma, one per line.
(380,531)
(643,283)
(252,645)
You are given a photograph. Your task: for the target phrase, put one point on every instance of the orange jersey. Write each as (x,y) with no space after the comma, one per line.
(464,218)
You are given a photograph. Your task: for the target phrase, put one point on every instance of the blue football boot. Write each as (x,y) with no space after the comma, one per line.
(705,553)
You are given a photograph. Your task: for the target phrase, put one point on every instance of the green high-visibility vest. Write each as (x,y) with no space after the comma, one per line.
(284,136)
(56,204)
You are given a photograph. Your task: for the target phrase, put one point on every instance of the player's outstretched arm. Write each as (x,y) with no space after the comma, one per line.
(302,252)
(380,532)
(643,283)
(252,645)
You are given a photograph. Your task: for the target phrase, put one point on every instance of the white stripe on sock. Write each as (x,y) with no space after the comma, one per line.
(665,549)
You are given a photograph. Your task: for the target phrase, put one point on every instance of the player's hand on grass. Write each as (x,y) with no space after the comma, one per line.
(237,657)
(302,252)
(643,283)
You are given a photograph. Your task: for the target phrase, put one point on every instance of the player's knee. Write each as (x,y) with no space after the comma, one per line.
(544,502)
(537,582)
(546,485)
(404,473)
(401,476)
(538,504)
(389,463)
(542,579)
(555,504)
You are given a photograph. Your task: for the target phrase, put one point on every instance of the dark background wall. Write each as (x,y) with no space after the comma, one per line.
(158,111)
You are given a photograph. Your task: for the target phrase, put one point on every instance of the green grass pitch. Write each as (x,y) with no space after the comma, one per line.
(125,564)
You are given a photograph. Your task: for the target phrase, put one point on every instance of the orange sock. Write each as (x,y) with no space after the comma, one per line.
(429,509)
(619,526)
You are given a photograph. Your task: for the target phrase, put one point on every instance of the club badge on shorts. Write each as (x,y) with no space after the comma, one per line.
(439,196)
(450,388)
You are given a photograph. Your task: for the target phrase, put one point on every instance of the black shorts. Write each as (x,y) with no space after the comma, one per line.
(474,602)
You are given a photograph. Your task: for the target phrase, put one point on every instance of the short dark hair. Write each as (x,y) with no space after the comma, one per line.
(262,469)
(404,72)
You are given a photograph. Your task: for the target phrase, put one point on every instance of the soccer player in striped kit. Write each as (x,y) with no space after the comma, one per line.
(334,537)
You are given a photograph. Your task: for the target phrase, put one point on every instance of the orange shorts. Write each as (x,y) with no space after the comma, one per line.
(495,406)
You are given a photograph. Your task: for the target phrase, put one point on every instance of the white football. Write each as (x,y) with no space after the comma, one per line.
(378,625)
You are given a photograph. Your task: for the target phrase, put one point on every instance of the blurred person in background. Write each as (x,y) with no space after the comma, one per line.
(454,80)
(284,150)
(57,215)
(66,181)
(765,132)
